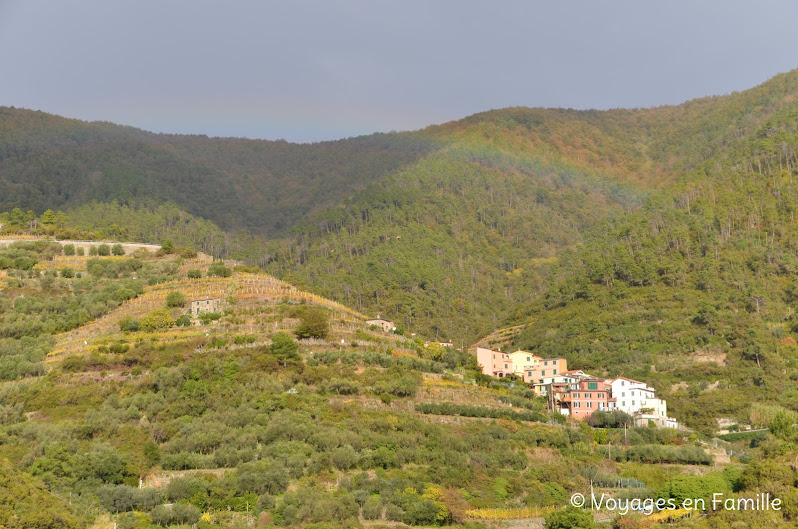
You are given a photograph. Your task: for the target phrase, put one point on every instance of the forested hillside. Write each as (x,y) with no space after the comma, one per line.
(697,289)
(261,186)
(450,230)
(481,219)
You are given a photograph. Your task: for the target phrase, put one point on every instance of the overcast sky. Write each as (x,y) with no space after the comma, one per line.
(315,70)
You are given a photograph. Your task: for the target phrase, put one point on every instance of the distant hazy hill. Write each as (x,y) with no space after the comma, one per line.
(51,162)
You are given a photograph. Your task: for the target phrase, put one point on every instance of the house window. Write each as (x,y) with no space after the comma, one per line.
(588,395)
(546,363)
(576,395)
(623,393)
(592,385)
(555,371)
(543,373)
(589,404)
(528,359)
(529,374)
(623,383)
(623,403)
(633,403)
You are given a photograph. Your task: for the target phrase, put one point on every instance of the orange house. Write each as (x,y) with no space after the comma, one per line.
(580,399)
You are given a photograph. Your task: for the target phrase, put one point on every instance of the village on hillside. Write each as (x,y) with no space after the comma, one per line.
(576,393)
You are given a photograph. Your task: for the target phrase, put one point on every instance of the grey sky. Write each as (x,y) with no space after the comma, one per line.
(313,70)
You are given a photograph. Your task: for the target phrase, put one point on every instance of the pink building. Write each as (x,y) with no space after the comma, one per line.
(580,399)
(494,363)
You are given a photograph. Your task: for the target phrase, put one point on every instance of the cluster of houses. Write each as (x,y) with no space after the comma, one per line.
(576,393)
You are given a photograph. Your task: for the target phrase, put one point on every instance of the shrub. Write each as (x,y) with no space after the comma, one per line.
(570,518)
(218,269)
(129,325)
(610,419)
(175,299)
(104,250)
(314,323)
(186,253)
(157,320)
(262,478)
(121,498)
(284,348)
(69,249)
(67,272)
(81,252)
(372,510)
(194,273)
(183,321)
(344,457)
(175,514)
(118,249)
(92,250)
(207,317)
(340,386)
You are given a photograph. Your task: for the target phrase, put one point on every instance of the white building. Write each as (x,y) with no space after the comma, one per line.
(640,401)
(630,395)
(567,377)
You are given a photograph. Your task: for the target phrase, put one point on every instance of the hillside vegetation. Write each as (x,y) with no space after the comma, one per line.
(52,162)
(453,243)
(284,409)
(656,243)
(696,289)
(448,230)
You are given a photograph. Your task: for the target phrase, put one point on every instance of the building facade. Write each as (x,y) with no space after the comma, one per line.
(201,306)
(385,325)
(580,399)
(494,363)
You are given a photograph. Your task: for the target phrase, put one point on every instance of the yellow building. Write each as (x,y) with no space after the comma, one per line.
(523,361)
(537,370)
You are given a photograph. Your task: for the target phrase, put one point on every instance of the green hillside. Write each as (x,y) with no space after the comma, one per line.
(706,271)
(448,230)
(284,409)
(482,219)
